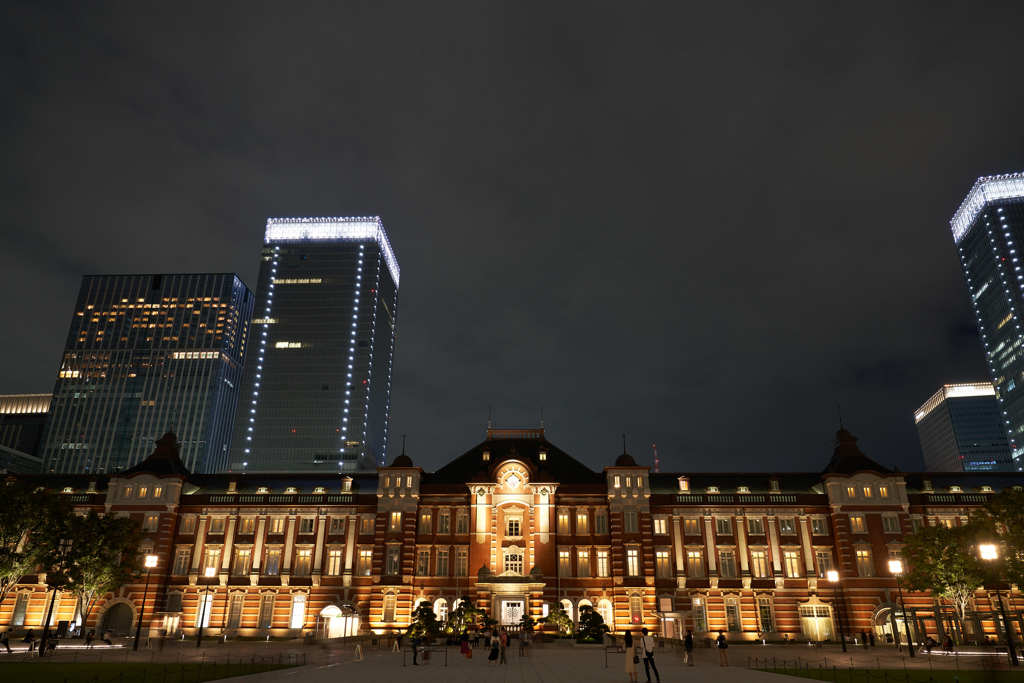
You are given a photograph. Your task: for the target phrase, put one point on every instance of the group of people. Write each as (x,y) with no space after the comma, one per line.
(642,648)
(495,642)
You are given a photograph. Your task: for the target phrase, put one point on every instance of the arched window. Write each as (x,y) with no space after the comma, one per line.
(583,603)
(441,609)
(816,621)
(567,606)
(456,603)
(604,608)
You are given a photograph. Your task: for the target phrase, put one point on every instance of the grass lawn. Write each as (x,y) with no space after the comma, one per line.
(901,676)
(132,672)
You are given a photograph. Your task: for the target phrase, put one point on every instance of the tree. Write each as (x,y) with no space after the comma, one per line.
(464,617)
(591,627)
(1003,519)
(942,560)
(561,621)
(526,623)
(106,556)
(424,623)
(28,518)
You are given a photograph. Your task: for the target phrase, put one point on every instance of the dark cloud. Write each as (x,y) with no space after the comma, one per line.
(703,225)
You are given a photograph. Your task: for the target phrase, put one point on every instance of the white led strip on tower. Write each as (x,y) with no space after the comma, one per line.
(259,356)
(333,228)
(986,189)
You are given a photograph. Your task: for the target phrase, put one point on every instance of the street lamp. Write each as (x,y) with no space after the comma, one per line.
(833,577)
(204,608)
(150,563)
(990,552)
(896,569)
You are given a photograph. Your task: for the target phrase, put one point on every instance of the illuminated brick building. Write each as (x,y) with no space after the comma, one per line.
(517,525)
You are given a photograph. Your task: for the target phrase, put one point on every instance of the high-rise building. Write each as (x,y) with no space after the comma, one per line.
(988,230)
(961,430)
(22,418)
(317,389)
(145,354)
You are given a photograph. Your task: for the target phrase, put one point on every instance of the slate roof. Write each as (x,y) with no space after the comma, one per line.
(847,458)
(164,461)
(470,466)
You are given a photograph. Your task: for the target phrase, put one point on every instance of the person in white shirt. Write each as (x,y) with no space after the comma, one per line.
(647,648)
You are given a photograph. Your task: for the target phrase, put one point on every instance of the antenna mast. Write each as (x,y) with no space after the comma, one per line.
(657,463)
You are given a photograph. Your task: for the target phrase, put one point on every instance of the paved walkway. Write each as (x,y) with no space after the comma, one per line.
(546,664)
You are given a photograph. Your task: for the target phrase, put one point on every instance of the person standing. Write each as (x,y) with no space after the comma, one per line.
(632,659)
(647,648)
(503,644)
(688,646)
(415,650)
(722,644)
(30,638)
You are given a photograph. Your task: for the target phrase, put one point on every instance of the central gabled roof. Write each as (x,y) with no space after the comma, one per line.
(557,467)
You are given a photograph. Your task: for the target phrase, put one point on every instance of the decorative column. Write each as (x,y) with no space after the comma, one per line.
(257,552)
(321,524)
(289,543)
(225,560)
(350,548)
(197,552)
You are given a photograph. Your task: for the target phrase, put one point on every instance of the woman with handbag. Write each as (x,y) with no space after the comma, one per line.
(632,658)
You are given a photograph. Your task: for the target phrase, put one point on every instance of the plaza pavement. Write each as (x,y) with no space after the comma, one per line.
(545,664)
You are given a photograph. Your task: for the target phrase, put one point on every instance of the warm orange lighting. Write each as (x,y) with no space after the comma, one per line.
(151,561)
(988,551)
(895,567)
(832,575)
(210,572)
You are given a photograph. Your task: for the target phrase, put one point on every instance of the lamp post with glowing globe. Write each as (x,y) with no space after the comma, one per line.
(896,569)
(204,608)
(833,578)
(989,552)
(151,561)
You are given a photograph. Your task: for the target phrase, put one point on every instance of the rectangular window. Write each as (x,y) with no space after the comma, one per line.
(700,615)
(582,522)
(630,522)
(883,491)
(660,525)
(691,526)
(819,526)
(791,560)
(727,561)
(857,524)
(444,521)
(203,610)
(303,562)
(277,525)
(150,523)
(216,526)
(266,619)
(306,525)
(601,522)
(442,562)
(764,613)
(564,563)
(583,562)
(396,521)
(388,613)
(211,559)
(182,559)
(247,526)
(366,525)
(851,491)
(423,562)
(759,564)
(425,523)
(787,526)
(235,610)
(20,607)
(513,561)
(173,601)
(462,522)
(723,525)
(662,564)
(394,561)
(158,491)
(563,521)
(915,524)
(891,524)
(868,492)
(143,491)
(755,525)
(694,564)
(632,562)
(513,527)
(298,616)
(273,564)
(636,609)
(461,562)
(334,562)
(865,567)
(824,560)
(188,525)
(243,561)
(365,565)
(337,525)
(602,563)
(732,615)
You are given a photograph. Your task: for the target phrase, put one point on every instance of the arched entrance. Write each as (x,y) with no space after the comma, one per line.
(338,623)
(118,619)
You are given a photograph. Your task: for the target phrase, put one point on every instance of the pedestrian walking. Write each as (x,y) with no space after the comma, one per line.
(722,644)
(493,655)
(632,658)
(415,650)
(5,640)
(90,637)
(647,646)
(30,638)
(503,644)
(688,646)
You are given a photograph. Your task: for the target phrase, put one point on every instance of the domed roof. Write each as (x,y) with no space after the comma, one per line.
(625,460)
(402,460)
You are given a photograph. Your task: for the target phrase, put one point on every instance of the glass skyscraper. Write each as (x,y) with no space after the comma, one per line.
(988,230)
(317,389)
(147,354)
(961,430)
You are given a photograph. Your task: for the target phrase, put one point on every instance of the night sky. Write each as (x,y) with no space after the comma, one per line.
(703,224)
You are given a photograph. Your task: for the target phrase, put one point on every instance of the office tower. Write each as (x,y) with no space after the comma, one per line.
(317,387)
(988,230)
(22,418)
(961,431)
(147,354)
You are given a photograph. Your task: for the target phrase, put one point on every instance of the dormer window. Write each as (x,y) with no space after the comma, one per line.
(712,489)
(986,489)
(773,485)
(319,489)
(68,489)
(346,484)
(128,491)
(684,484)
(232,487)
(542,456)
(262,489)
(617,481)
(291,489)
(955,489)
(487,456)
(743,489)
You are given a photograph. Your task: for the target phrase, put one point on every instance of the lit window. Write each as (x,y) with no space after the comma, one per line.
(691,526)
(583,562)
(791,560)
(150,523)
(582,522)
(243,561)
(298,616)
(851,491)
(602,563)
(865,566)
(787,525)
(365,564)
(868,492)
(724,526)
(564,563)
(727,564)
(277,525)
(857,524)
(660,525)
(287,345)
(759,564)
(662,564)
(883,491)
(333,562)
(563,521)
(755,526)
(425,523)
(694,564)
(514,561)
(396,521)
(632,562)
(216,525)
(273,565)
